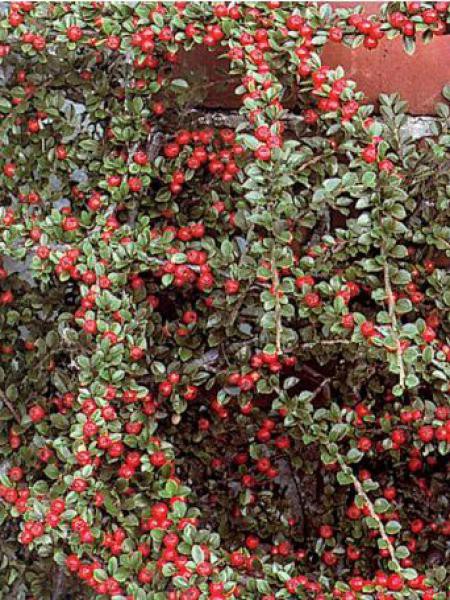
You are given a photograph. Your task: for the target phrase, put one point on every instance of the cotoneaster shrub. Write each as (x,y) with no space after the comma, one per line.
(225,353)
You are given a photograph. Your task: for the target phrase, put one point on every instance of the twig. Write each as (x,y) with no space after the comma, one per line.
(154,144)
(441,239)
(319,388)
(243,295)
(312,372)
(359,489)
(310,162)
(278,323)
(299,494)
(238,305)
(9,406)
(324,343)
(392,315)
(59,585)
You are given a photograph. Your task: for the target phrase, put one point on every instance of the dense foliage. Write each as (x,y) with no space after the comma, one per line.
(225,352)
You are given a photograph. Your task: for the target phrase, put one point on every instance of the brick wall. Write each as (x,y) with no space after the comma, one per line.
(419,78)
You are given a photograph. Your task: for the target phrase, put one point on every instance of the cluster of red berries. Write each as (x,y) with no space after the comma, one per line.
(203,148)
(17,497)
(272,362)
(433,16)
(183,274)
(85,572)
(334,100)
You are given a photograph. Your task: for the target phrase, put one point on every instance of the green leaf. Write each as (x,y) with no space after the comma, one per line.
(5,105)
(344,478)
(381,505)
(409,45)
(412,381)
(354,455)
(446,92)
(197,554)
(51,471)
(250,141)
(338,431)
(179,83)
(331,184)
(409,574)
(12,393)
(392,527)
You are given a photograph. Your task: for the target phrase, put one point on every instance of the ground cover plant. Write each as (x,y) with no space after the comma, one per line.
(225,352)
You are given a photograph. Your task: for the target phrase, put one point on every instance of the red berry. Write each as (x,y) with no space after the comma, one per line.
(263,153)
(312,300)
(36,413)
(74,33)
(231,287)
(135,184)
(15,474)
(72,563)
(426,433)
(347,321)
(369,154)
(252,542)
(395,583)
(140,158)
(335,34)
(326,531)
(90,326)
(165,389)
(429,335)
(368,329)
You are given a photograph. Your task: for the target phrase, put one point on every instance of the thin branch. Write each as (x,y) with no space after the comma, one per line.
(393,317)
(9,406)
(278,322)
(311,162)
(319,388)
(441,239)
(298,493)
(360,491)
(237,307)
(312,372)
(59,585)
(324,343)
(243,295)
